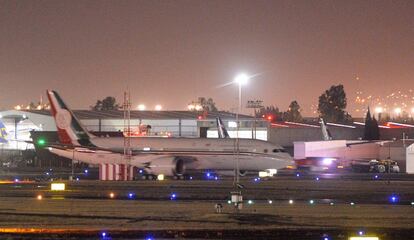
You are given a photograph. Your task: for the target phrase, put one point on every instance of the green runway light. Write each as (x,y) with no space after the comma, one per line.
(41,142)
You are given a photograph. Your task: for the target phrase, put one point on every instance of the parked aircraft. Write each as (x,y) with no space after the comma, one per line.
(160,155)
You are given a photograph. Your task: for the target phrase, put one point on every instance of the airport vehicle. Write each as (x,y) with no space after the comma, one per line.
(160,155)
(377,166)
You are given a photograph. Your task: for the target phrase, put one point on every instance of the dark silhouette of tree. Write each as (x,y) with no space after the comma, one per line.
(270,113)
(293,113)
(371,130)
(332,104)
(368,126)
(108,103)
(375,129)
(207,104)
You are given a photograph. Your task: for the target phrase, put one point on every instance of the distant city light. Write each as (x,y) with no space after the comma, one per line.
(397,110)
(379,109)
(141,107)
(39,197)
(270,201)
(158,107)
(291,201)
(111,195)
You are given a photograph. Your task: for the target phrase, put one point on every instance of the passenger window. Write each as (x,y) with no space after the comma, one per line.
(276,150)
(265,151)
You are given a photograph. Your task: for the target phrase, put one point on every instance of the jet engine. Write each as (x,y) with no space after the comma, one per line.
(171,166)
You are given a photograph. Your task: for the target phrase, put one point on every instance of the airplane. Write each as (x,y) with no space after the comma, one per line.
(159,155)
(3,133)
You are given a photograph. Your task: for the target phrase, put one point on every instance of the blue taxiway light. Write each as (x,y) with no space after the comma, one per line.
(394,199)
(317,178)
(86,171)
(131,195)
(16,180)
(297,175)
(173,196)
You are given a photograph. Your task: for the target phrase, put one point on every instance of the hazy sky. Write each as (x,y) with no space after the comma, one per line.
(170,52)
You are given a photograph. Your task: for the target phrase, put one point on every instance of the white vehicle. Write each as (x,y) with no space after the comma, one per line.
(160,155)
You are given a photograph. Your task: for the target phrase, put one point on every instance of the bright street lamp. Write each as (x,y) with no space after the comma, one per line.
(241,79)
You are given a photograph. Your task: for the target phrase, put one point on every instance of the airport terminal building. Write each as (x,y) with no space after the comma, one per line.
(19,124)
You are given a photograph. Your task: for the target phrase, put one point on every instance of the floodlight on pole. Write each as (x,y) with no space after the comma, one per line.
(241,79)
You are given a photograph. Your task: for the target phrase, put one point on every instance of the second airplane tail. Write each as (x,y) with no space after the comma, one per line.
(70,129)
(326,134)
(3,133)
(222,131)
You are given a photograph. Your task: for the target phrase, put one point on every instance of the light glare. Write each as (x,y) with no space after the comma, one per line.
(158,107)
(141,107)
(241,79)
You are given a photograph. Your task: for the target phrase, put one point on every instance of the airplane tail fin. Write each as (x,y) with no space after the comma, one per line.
(70,129)
(222,131)
(3,133)
(326,134)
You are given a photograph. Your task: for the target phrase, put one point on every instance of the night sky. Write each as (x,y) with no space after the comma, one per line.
(170,52)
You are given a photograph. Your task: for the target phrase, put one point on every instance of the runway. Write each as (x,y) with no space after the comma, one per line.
(285,206)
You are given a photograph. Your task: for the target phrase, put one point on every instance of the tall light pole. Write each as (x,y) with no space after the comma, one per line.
(240,80)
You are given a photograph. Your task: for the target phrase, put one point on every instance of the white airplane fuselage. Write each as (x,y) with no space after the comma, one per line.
(161,154)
